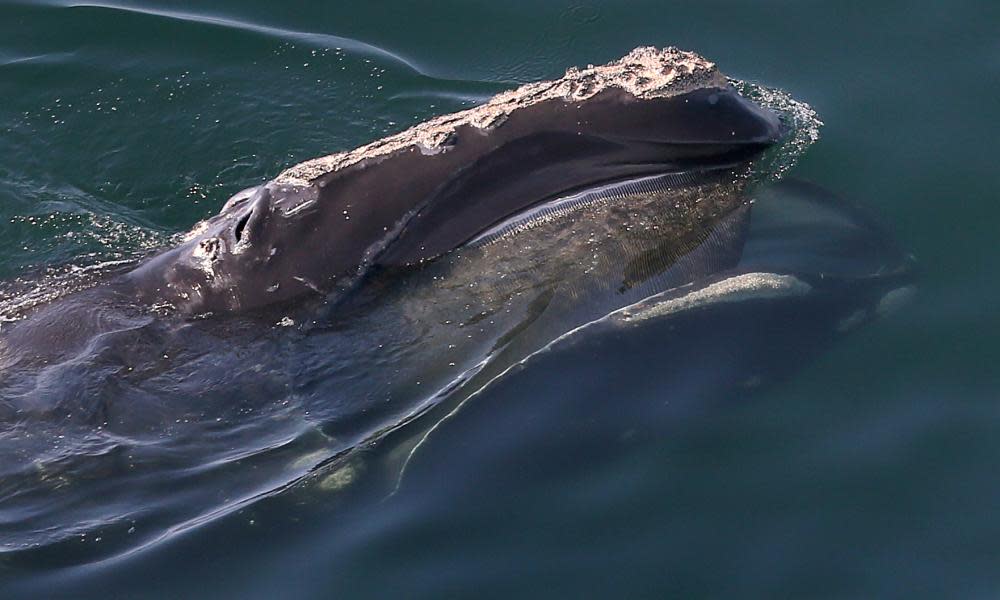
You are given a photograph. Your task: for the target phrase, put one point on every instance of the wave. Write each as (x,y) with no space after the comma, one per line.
(319,40)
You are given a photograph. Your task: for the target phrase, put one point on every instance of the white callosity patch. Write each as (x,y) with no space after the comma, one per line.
(749,286)
(645,72)
(199,229)
(206,253)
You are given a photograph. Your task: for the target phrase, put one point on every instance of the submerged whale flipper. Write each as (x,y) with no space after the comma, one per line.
(810,230)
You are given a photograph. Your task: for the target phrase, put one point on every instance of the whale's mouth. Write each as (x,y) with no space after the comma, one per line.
(566,204)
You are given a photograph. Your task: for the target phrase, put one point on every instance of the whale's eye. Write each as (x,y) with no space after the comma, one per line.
(241,225)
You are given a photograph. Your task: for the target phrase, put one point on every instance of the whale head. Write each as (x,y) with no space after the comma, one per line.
(409,198)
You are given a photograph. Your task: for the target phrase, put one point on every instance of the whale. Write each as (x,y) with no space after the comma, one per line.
(320,226)
(344,316)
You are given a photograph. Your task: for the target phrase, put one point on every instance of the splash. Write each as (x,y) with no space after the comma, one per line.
(800,121)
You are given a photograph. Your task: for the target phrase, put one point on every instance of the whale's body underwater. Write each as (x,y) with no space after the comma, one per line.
(359,300)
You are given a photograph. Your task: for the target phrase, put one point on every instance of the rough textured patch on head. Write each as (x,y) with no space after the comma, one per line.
(645,73)
(206,254)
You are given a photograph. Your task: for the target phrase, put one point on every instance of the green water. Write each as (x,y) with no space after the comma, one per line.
(870,473)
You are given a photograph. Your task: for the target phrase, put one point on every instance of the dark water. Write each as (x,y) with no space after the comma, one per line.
(866,468)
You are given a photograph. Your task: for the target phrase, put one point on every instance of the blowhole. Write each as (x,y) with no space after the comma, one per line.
(241,225)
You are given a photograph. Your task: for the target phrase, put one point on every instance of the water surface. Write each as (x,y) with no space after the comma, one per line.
(866,471)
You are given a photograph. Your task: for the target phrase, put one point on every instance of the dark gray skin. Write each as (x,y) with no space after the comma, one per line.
(280,242)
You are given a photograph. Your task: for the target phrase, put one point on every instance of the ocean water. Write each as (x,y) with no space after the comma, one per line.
(863,468)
